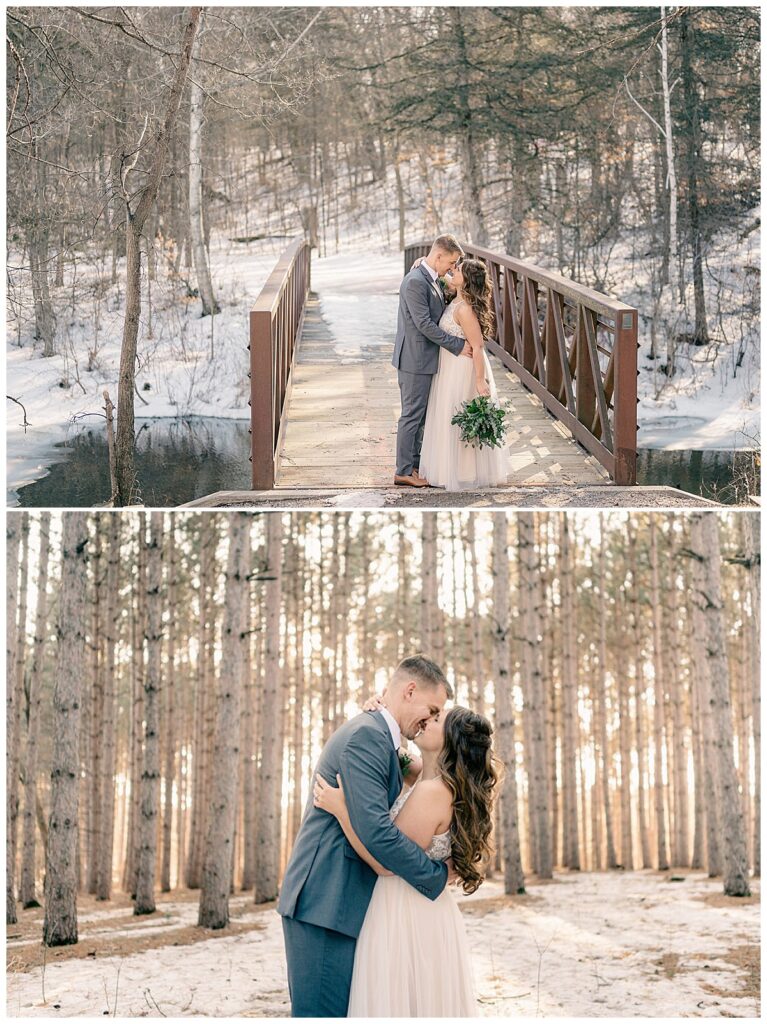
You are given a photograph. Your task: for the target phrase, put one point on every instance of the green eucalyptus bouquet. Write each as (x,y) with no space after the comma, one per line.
(482,422)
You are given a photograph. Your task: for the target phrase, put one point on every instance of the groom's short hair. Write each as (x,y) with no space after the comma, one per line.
(448,243)
(424,672)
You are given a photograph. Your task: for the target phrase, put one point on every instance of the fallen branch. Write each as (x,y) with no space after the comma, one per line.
(26,421)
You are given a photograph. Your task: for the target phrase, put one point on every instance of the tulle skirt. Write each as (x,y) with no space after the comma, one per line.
(412,956)
(445,460)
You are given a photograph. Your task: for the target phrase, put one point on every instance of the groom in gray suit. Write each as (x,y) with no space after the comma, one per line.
(327,887)
(416,351)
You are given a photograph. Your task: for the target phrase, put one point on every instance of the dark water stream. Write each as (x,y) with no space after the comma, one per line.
(178,460)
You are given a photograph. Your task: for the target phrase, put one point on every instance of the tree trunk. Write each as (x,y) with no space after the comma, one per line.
(134,225)
(529,563)
(600,704)
(60,921)
(108,764)
(27,892)
(270,831)
(170,711)
(752,551)
(514,879)
(694,159)
(217,870)
(12,710)
(708,596)
(570,726)
(658,701)
(150,775)
(199,254)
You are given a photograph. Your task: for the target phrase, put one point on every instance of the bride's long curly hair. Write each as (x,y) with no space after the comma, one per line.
(478,292)
(471,772)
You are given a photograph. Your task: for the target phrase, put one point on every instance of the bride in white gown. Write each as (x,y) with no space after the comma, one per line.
(412,956)
(446,461)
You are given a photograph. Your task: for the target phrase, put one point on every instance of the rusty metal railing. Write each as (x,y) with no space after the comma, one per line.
(573,347)
(275,323)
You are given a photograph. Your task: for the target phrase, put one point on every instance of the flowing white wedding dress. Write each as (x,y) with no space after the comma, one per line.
(445,460)
(412,955)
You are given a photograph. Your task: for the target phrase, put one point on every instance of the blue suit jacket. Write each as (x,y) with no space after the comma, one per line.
(421,305)
(326,883)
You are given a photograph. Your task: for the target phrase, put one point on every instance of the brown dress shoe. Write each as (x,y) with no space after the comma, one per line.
(410,481)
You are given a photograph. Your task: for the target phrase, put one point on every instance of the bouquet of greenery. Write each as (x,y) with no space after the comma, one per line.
(482,422)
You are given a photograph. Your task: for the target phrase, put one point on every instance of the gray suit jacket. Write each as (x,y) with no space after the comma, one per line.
(326,883)
(421,305)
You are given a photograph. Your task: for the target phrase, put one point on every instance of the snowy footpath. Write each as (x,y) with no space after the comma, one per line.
(583,945)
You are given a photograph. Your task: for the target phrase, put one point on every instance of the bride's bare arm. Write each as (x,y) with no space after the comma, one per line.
(332,799)
(467,319)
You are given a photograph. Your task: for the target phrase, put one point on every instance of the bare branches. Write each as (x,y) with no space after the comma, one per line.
(26,421)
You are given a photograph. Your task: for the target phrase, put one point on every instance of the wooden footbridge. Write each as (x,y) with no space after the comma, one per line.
(565,358)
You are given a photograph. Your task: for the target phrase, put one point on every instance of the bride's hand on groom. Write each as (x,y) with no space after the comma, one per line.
(329,798)
(374,703)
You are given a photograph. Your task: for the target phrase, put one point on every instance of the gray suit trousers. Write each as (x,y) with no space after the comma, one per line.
(414,393)
(320,964)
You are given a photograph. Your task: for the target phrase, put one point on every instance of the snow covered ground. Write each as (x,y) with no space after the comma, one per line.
(584,945)
(183,372)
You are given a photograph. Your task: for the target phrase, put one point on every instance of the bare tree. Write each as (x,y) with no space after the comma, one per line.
(135,219)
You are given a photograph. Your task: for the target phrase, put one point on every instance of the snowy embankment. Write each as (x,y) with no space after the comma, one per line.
(584,945)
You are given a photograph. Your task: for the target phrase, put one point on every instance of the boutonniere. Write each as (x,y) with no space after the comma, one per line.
(405,760)
(446,288)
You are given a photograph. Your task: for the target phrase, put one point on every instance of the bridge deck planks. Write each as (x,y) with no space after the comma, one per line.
(341,421)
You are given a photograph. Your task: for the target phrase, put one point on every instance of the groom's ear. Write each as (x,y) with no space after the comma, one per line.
(409,690)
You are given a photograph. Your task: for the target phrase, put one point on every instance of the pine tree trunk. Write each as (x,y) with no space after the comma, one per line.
(109,760)
(680,856)
(170,709)
(571,852)
(514,880)
(150,775)
(627,837)
(27,890)
(658,701)
(600,712)
(529,563)
(752,551)
(60,921)
(708,596)
(706,780)
(17,682)
(271,722)
(217,870)
(12,710)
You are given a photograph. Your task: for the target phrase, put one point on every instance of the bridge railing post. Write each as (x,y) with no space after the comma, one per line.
(261,400)
(625,397)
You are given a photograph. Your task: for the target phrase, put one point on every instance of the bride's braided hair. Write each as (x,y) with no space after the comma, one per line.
(478,292)
(471,772)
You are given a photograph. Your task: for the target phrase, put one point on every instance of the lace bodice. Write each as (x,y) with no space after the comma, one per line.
(439,847)
(447,320)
